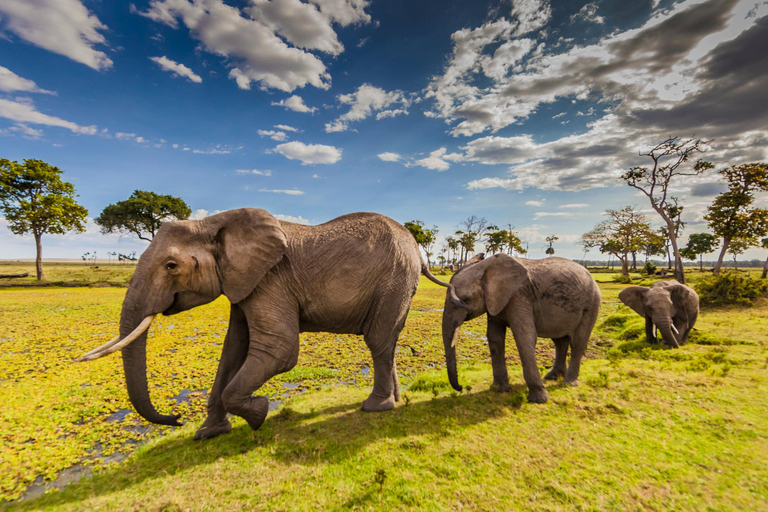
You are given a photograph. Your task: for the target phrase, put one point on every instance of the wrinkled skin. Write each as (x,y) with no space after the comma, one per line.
(355,274)
(550,298)
(663,305)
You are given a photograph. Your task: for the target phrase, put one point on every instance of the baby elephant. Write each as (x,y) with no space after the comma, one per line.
(668,305)
(551,298)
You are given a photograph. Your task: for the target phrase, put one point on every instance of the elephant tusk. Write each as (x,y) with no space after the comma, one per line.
(675,329)
(103,347)
(115,346)
(654,330)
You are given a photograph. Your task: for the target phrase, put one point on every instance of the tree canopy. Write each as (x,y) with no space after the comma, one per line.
(35,200)
(426,238)
(699,244)
(623,232)
(142,214)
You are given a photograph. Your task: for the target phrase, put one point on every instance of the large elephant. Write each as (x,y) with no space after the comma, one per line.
(550,298)
(667,305)
(355,274)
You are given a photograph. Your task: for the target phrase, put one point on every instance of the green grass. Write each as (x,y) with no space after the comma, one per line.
(649,427)
(67,274)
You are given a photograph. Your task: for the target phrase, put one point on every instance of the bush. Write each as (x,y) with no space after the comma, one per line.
(730,287)
(650,268)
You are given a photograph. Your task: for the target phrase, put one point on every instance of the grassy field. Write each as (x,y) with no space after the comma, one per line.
(68,274)
(648,428)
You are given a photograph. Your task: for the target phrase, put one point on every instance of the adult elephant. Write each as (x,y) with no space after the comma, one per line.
(355,274)
(667,305)
(550,298)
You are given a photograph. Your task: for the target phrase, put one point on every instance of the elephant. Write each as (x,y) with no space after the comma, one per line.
(355,274)
(550,298)
(670,306)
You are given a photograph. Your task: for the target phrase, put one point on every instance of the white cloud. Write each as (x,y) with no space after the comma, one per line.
(11,82)
(575,205)
(274,135)
(65,27)
(436,160)
(218,149)
(23,111)
(259,47)
(292,192)
(309,153)
(177,69)
(366,100)
(531,15)
(25,131)
(588,13)
(201,213)
(290,218)
(266,172)
(286,128)
(295,103)
(534,203)
(539,215)
(484,183)
(388,157)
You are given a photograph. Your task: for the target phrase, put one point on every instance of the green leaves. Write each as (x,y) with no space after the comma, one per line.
(142,214)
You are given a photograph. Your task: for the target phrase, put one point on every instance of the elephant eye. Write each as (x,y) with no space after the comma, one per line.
(171,265)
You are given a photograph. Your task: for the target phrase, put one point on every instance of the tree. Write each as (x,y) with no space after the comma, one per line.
(623,232)
(424,237)
(668,157)
(764,245)
(142,214)
(731,215)
(453,246)
(551,240)
(35,200)
(698,245)
(652,244)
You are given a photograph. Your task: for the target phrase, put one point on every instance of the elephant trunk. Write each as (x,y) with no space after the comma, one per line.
(450,333)
(135,364)
(667,333)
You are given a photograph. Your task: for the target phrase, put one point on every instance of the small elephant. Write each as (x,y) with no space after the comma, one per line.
(667,305)
(550,298)
(355,274)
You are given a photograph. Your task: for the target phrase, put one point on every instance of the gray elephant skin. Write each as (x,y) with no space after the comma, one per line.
(355,274)
(550,298)
(667,305)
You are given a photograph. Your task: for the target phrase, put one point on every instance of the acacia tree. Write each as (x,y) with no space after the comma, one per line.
(731,215)
(36,201)
(621,233)
(142,214)
(698,245)
(668,157)
(551,240)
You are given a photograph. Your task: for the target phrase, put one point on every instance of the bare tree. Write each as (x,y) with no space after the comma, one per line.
(668,156)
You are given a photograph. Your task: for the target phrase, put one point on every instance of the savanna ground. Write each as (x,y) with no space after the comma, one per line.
(648,428)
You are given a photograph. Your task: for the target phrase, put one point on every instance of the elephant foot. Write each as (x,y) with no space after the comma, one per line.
(376,404)
(554,374)
(539,396)
(501,388)
(207,431)
(573,382)
(253,410)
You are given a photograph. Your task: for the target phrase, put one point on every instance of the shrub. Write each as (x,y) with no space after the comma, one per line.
(730,288)
(650,268)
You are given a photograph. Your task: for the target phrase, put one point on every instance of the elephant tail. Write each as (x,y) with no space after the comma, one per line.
(454,298)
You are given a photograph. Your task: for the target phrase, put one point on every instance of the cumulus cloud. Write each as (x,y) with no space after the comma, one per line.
(218,149)
(309,153)
(274,135)
(535,203)
(291,218)
(539,215)
(295,103)
(11,82)
(505,183)
(130,136)
(437,160)
(266,41)
(366,100)
(65,27)
(286,128)
(531,15)
(176,69)
(292,192)
(24,111)
(388,157)
(266,172)
(588,14)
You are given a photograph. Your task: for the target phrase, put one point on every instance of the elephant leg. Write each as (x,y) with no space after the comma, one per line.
(395,381)
(579,341)
(232,358)
(496,333)
(268,356)
(381,339)
(561,353)
(524,332)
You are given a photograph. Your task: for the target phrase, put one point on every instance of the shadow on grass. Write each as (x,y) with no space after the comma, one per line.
(325,435)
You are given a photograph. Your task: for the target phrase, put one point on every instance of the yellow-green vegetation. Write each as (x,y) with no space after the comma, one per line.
(648,428)
(68,274)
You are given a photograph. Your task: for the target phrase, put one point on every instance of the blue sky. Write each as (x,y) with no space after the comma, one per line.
(522,112)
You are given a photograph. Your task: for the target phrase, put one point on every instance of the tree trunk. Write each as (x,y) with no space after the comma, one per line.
(634,261)
(719,264)
(39,257)
(679,269)
(669,258)
(701,262)
(625,266)
(765,269)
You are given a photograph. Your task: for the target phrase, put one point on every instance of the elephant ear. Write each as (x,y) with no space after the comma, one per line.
(502,278)
(248,243)
(681,295)
(633,296)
